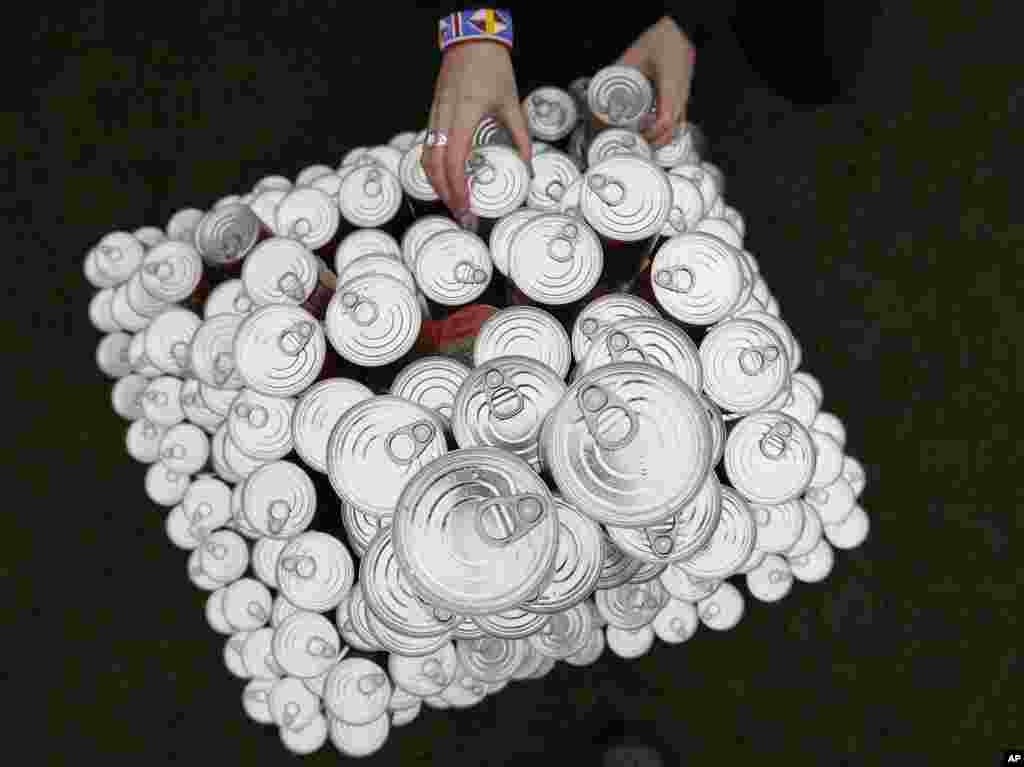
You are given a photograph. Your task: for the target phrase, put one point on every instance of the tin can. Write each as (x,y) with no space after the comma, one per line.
(196,410)
(576,148)
(376,446)
(572,260)
(274,182)
(183,223)
(357,692)
(168,338)
(722,610)
(112,357)
(279,500)
(618,567)
(491,659)
(378,263)
(490,131)
(142,440)
(680,536)
(631,606)
(769,457)
(578,563)
(329,184)
(361,528)
(264,206)
(100,312)
(628,444)
(731,544)
(814,566)
(627,199)
(279,350)
(453,267)
(617,142)
(225,235)
(126,396)
(476,532)
(306,645)
(524,331)
(316,413)
(679,150)
(315,571)
(164,486)
(553,173)
(311,173)
(697,278)
(370,196)
(798,401)
(432,382)
(185,449)
(851,532)
(648,572)
(687,211)
(364,242)
(261,425)
(706,181)
(503,404)
(646,339)
(417,233)
(733,216)
(386,156)
(353,155)
(414,178)
(309,216)
(603,312)
(503,232)
(551,113)
(116,257)
(780,526)
(280,271)
(219,458)
(149,235)
(499,181)
(140,300)
(172,271)
(137,357)
(373,321)
(124,315)
(620,95)
(853,472)
(402,140)
(745,365)
(570,203)
(212,352)
(833,502)
(161,402)
(228,199)
(217,400)
(511,624)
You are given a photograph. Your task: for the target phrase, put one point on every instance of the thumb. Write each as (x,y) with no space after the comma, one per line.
(515,120)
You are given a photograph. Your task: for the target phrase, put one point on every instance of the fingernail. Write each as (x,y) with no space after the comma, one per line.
(646,122)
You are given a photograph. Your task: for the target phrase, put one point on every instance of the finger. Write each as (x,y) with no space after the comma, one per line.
(514,119)
(465,119)
(434,156)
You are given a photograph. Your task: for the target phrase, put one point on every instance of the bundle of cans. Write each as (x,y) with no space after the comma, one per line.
(595,469)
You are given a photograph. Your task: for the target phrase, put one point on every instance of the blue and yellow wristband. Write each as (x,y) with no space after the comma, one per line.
(481,24)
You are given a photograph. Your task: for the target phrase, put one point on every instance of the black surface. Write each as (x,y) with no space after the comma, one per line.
(883,225)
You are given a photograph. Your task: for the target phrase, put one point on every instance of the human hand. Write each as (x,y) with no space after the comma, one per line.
(476,79)
(666,57)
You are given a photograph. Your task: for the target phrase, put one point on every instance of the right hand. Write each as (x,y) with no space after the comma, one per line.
(476,80)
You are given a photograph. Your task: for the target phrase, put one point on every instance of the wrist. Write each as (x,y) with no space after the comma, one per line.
(481,24)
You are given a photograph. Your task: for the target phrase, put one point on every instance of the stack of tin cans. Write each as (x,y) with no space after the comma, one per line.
(582,481)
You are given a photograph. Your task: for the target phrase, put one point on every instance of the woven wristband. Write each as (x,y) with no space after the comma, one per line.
(483,24)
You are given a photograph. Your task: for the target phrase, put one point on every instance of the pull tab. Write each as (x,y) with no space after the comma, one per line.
(594,400)
(679,279)
(774,443)
(294,340)
(406,444)
(434,671)
(110,253)
(604,188)
(363,310)
(255,609)
(173,451)
(481,171)
(623,349)
(755,359)
(505,519)
(290,285)
(562,247)
(370,683)
(231,246)
(468,274)
(223,367)
(163,270)
(555,190)
(321,648)
(372,186)
(503,401)
(303,566)
(242,304)
(677,220)
(179,350)
(301,227)
(618,104)
(661,537)
(589,327)
(278,513)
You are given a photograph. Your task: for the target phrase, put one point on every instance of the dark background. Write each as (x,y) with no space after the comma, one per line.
(882,223)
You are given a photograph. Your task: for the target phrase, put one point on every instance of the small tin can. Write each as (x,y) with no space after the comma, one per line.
(553,173)
(264,206)
(626,199)
(687,211)
(126,396)
(490,131)
(172,271)
(697,278)
(112,357)
(628,444)
(124,315)
(142,440)
(731,544)
(453,267)
(279,350)
(373,321)
(851,532)
(217,400)
(315,571)
(185,449)
(357,691)
(309,216)
(576,148)
(503,404)
(228,298)
(499,181)
(631,606)
(182,225)
(376,446)
(168,338)
(137,357)
(164,486)
(265,552)
(814,566)
(646,339)
(617,142)
(679,150)
(830,424)
(834,502)
(414,178)
(161,402)
(311,173)
(275,182)
(733,216)
(280,271)
(306,645)
(116,257)
(228,199)
(225,235)
(378,263)
(722,610)
(149,235)
(491,659)
(779,526)
(676,623)
(684,587)
(620,95)
(370,196)
(417,233)
(853,472)
(745,365)
(403,140)
(316,413)
(386,156)
(785,335)
(353,155)
(100,312)
(432,382)
(364,242)
(524,331)
(219,456)
(476,532)
(769,457)
(771,580)
(572,260)
(232,464)
(140,299)
(279,500)
(329,184)
(260,425)
(705,180)
(603,312)
(212,352)
(503,232)
(720,227)
(551,113)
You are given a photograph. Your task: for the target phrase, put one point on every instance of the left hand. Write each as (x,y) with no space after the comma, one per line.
(665,55)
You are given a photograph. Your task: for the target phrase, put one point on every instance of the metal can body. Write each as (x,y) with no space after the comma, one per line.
(225,235)
(502,234)
(617,142)
(373,321)
(555,259)
(414,178)
(172,271)
(168,339)
(620,95)
(316,414)
(307,215)
(697,278)
(364,242)
(454,267)
(370,196)
(378,263)
(553,173)
(769,457)
(626,199)
(603,312)
(212,352)
(499,181)
(524,331)
(418,232)
(432,382)
(551,113)
(279,350)
(746,365)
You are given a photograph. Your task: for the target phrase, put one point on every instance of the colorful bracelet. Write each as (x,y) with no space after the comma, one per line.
(483,24)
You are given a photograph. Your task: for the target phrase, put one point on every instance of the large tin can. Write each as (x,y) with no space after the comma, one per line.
(373,320)
(364,242)
(769,457)
(603,312)
(551,113)
(432,382)
(626,199)
(476,532)
(555,259)
(697,278)
(225,235)
(731,544)
(746,365)
(370,196)
(553,173)
(499,181)
(502,233)
(453,267)
(503,404)
(309,216)
(316,413)
(418,233)
(620,95)
(617,142)
(279,350)
(168,338)
(524,331)
(628,444)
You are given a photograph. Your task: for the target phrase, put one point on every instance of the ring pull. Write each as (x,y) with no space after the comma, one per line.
(180,352)
(661,537)
(278,513)
(481,171)
(755,359)
(618,104)
(468,274)
(678,279)
(620,345)
(231,246)
(303,566)
(372,186)
(602,186)
(223,367)
(562,247)
(321,648)
(774,443)
(406,444)
(163,270)
(110,253)
(242,304)
(503,401)
(677,219)
(291,286)
(503,520)
(555,190)
(293,340)
(594,400)
(363,310)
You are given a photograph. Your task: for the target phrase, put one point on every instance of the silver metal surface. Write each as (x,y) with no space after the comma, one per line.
(378,263)
(697,278)
(212,352)
(168,338)
(161,401)
(279,350)
(228,298)
(171,271)
(453,267)
(413,177)
(631,606)
(185,448)
(769,457)
(745,365)
(626,198)
(512,623)
(280,271)
(370,196)
(604,311)
(307,215)
(620,95)
(116,256)
(279,500)
(722,610)
(502,233)
(731,544)
(555,259)
(124,315)
(143,440)
(317,411)
(432,382)
(260,425)
(617,142)
(373,320)
(306,644)
(681,149)
(315,571)
(491,659)
(687,213)
(499,181)
(225,235)
(554,172)
(551,113)
(417,233)
(363,242)
(524,331)
(566,633)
